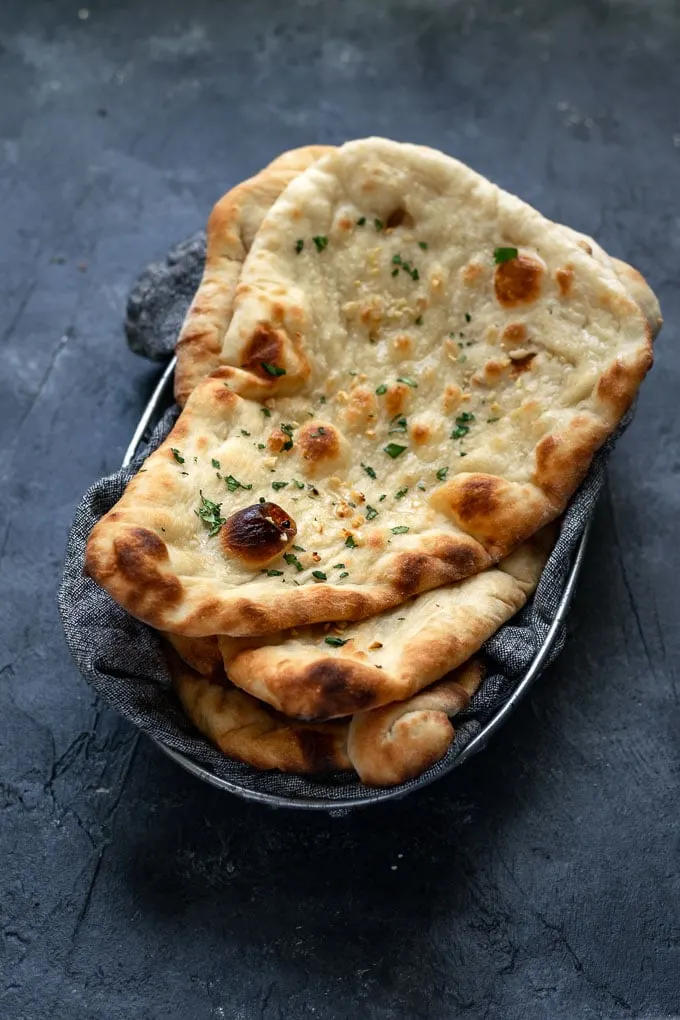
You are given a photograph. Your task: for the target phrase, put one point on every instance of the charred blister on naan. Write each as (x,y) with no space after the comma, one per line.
(322,446)
(264,348)
(258,534)
(518,281)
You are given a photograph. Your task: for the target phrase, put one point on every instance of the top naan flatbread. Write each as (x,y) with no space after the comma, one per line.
(417,373)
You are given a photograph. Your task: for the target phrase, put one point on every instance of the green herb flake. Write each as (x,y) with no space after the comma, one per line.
(371,513)
(418,321)
(468,317)
(393,450)
(369,471)
(408,380)
(491,420)
(396,259)
(361,221)
(340,576)
(319,575)
(381,390)
(397,424)
(319,432)
(442,473)
(415,275)
(462,359)
(395,272)
(463,454)
(261,446)
(278,485)
(274,573)
(209,513)
(400,493)
(338,566)
(297,484)
(423,245)
(233,484)
(216,464)
(244,432)
(401,529)
(292,560)
(177,455)
(504,255)
(336,642)
(320,241)
(272,370)
(299,245)
(266,412)
(350,543)
(288,431)
(378,224)
(322,399)
(299,548)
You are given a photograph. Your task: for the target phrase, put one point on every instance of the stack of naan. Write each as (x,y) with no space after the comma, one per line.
(393,376)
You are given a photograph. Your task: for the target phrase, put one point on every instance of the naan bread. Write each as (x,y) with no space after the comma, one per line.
(385,747)
(323,672)
(419,370)
(232,226)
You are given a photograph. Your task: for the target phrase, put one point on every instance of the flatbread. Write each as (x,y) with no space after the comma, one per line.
(323,672)
(339,370)
(385,747)
(232,226)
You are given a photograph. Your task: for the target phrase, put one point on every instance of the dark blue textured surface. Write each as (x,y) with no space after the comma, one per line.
(541,880)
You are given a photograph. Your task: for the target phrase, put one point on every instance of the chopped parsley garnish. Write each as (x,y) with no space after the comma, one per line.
(350,543)
(395,272)
(463,454)
(319,432)
(216,464)
(415,275)
(400,493)
(262,499)
(338,566)
(320,241)
(209,513)
(442,473)
(266,412)
(272,369)
(274,573)
(378,224)
(337,642)
(299,548)
(369,471)
(299,245)
(468,317)
(393,450)
(462,359)
(504,255)
(319,575)
(401,529)
(423,245)
(465,416)
(397,424)
(490,420)
(419,320)
(244,432)
(371,513)
(288,430)
(298,485)
(396,259)
(233,484)
(177,455)
(383,497)
(361,221)
(409,380)
(340,576)
(279,485)
(380,390)
(322,399)
(292,560)
(261,446)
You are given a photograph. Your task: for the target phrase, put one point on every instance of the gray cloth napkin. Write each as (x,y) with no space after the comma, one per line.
(121,657)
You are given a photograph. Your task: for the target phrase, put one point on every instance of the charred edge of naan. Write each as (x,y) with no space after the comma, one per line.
(199,344)
(399,742)
(248,731)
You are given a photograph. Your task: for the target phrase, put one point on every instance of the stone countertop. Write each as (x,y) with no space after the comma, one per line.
(541,880)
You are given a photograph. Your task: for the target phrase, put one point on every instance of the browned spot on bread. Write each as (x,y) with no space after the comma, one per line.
(402,344)
(565,280)
(478,497)
(582,243)
(619,383)
(180,431)
(523,364)
(514,335)
(319,750)
(361,406)
(420,433)
(277,440)
(518,281)
(410,573)
(139,554)
(334,687)
(491,372)
(278,312)
(399,217)
(202,443)
(264,346)
(202,654)
(451,397)
(562,459)
(345,223)
(395,398)
(258,534)
(471,271)
(318,441)
(376,540)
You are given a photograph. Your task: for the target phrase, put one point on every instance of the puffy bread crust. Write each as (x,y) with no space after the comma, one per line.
(233,224)
(244,729)
(401,741)
(385,747)
(390,657)
(549,407)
